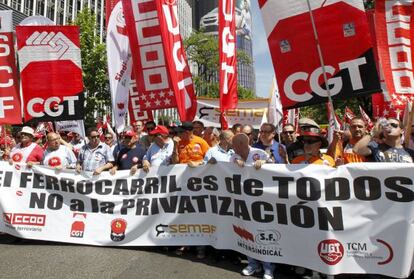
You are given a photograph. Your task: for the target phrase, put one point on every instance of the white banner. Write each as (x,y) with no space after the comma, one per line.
(119,65)
(76,126)
(252,112)
(344,220)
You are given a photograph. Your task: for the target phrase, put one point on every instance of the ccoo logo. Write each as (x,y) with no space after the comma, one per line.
(331,251)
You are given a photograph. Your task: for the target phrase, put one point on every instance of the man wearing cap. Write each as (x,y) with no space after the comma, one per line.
(189,148)
(313,141)
(77,142)
(295,149)
(57,155)
(276,151)
(160,151)
(26,151)
(146,140)
(131,155)
(95,156)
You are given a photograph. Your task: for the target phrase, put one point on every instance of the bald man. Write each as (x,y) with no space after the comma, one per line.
(223,151)
(56,155)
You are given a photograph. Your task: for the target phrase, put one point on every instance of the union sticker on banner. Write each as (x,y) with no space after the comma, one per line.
(345,43)
(51,72)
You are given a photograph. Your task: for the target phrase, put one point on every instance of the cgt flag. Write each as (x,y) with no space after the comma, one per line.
(228,59)
(10,111)
(178,68)
(345,43)
(51,72)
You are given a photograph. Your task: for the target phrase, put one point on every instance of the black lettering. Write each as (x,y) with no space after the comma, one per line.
(127,204)
(258,212)
(38,182)
(308,184)
(136,186)
(335,220)
(281,214)
(224,206)
(283,183)
(107,207)
(169,205)
(77,205)
(185,205)
(253,187)
(337,189)
(240,210)
(210,182)
(154,206)
(367,188)
(37,200)
(52,183)
(194,184)
(233,185)
(84,187)
(201,203)
(55,201)
(151,185)
(67,185)
(173,184)
(121,187)
(399,185)
(302,216)
(142,207)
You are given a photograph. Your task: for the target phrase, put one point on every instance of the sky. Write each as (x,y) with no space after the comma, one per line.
(261,55)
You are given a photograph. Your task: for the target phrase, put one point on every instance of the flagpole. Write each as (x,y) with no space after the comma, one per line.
(325,78)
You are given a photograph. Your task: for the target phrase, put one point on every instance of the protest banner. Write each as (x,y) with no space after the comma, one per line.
(51,72)
(10,111)
(344,220)
(345,48)
(253,112)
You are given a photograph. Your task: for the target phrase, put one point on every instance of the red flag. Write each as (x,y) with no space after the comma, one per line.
(149,58)
(346,50)
(51,72)
(135,112)
(348,115)
(394,28)
(366,118)
(228,59)
(178,69)
(10,111)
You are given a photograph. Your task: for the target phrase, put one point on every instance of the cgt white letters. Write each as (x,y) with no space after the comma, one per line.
(354,73)
(48,103)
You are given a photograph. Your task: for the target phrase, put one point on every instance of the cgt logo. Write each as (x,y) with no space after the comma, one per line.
(331,251)
(184,229)
(24,219)
(78,226)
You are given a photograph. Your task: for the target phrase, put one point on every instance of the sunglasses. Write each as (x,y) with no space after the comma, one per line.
(108,137)
(288,132)
(265,132)
(309,129)
(394,125)
(94,137)
(311,141)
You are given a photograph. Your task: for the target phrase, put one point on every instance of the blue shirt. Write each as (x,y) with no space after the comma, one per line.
(219,154)
(273,150)
(127,158)
(160,156)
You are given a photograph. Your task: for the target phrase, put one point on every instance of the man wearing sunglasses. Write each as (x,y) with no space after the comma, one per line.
(390,149)
(95,156)
(288,134)
(276,151)
(296,149)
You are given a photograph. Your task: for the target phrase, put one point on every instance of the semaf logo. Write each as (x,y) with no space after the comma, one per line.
(331,251)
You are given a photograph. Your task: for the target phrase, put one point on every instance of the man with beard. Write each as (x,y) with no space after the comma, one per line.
(56,155)
(131,155)
(95,156)
(391,148)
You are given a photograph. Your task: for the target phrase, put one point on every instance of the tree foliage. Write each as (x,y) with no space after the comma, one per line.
(203,52)
(94,67)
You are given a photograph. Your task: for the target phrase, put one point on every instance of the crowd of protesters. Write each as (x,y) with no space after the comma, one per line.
(145,145)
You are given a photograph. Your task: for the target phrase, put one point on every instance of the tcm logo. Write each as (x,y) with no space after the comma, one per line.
(78,226)
(24,219)
(185,229)
(331,251)
(268,237)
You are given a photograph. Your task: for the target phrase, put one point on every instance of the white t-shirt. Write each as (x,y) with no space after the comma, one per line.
(63,156)
(254,155)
